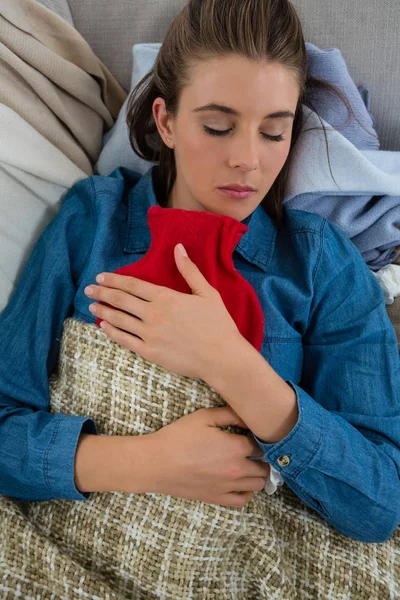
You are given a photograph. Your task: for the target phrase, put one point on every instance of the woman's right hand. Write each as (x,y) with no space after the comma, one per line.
(194,459)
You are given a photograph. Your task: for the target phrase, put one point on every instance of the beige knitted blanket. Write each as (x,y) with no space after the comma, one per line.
(143,546)
(51,78)
(57,99)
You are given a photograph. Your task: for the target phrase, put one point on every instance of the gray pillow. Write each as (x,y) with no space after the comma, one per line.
(117,150)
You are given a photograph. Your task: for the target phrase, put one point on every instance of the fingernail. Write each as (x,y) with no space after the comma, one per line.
(182,250)
(88,290)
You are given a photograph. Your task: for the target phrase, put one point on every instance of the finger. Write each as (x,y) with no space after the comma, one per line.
(118,319)
(248,484)
(131,285)
(253,449)
(119,300)
(256,455)
(236,499)
(257,469)
(124,339)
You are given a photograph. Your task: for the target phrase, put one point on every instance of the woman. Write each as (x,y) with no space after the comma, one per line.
(320,397)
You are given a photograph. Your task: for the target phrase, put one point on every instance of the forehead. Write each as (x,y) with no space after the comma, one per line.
(248,86)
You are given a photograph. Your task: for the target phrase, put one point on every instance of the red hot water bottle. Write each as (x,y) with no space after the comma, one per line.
(209,240)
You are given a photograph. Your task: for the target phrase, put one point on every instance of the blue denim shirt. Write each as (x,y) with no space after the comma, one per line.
(327,334)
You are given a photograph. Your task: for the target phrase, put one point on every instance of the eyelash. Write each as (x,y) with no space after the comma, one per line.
(273,138)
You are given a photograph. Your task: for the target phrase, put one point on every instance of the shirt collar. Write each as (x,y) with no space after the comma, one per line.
(255,246)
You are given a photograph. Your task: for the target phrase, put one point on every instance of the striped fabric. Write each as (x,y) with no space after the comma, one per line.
(143,546)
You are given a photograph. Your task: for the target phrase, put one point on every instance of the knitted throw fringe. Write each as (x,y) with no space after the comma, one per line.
(144,546)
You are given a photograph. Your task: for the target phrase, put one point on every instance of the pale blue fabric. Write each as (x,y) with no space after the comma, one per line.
(329,65)
(327,334)
(363,199)
(368,214)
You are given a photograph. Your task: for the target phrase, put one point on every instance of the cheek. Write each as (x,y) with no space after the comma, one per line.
(277,158)
(198,151)
(191,142)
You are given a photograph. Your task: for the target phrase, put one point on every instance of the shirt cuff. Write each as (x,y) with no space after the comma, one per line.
(291,455)
(59,458)
(273,481)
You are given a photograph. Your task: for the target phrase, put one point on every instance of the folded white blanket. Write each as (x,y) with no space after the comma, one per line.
(34,177)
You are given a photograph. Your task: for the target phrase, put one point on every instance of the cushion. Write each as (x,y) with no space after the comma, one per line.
(117,150)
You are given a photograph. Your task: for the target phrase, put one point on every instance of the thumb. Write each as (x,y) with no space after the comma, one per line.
(190,272)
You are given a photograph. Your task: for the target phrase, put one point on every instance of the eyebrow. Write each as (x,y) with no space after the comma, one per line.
(231,111)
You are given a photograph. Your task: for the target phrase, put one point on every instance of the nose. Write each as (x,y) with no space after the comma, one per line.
(244,154)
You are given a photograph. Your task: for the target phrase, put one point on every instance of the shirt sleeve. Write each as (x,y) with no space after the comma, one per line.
(37,448)
(342,458)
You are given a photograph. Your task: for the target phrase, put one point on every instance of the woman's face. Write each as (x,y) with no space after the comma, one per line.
(244,155)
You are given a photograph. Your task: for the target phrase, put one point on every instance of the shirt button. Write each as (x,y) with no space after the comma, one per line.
(284,460)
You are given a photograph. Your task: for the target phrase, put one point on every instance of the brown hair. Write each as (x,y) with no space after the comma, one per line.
(257,29)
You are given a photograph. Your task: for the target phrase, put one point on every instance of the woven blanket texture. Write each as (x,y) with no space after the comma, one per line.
(144,546)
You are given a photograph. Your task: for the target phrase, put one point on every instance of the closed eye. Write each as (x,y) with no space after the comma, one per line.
(273,138)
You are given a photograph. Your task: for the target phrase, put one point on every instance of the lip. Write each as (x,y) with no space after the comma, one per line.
(235,193)
(238,187)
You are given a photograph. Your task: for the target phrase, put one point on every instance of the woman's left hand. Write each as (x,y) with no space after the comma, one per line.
(184,333)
